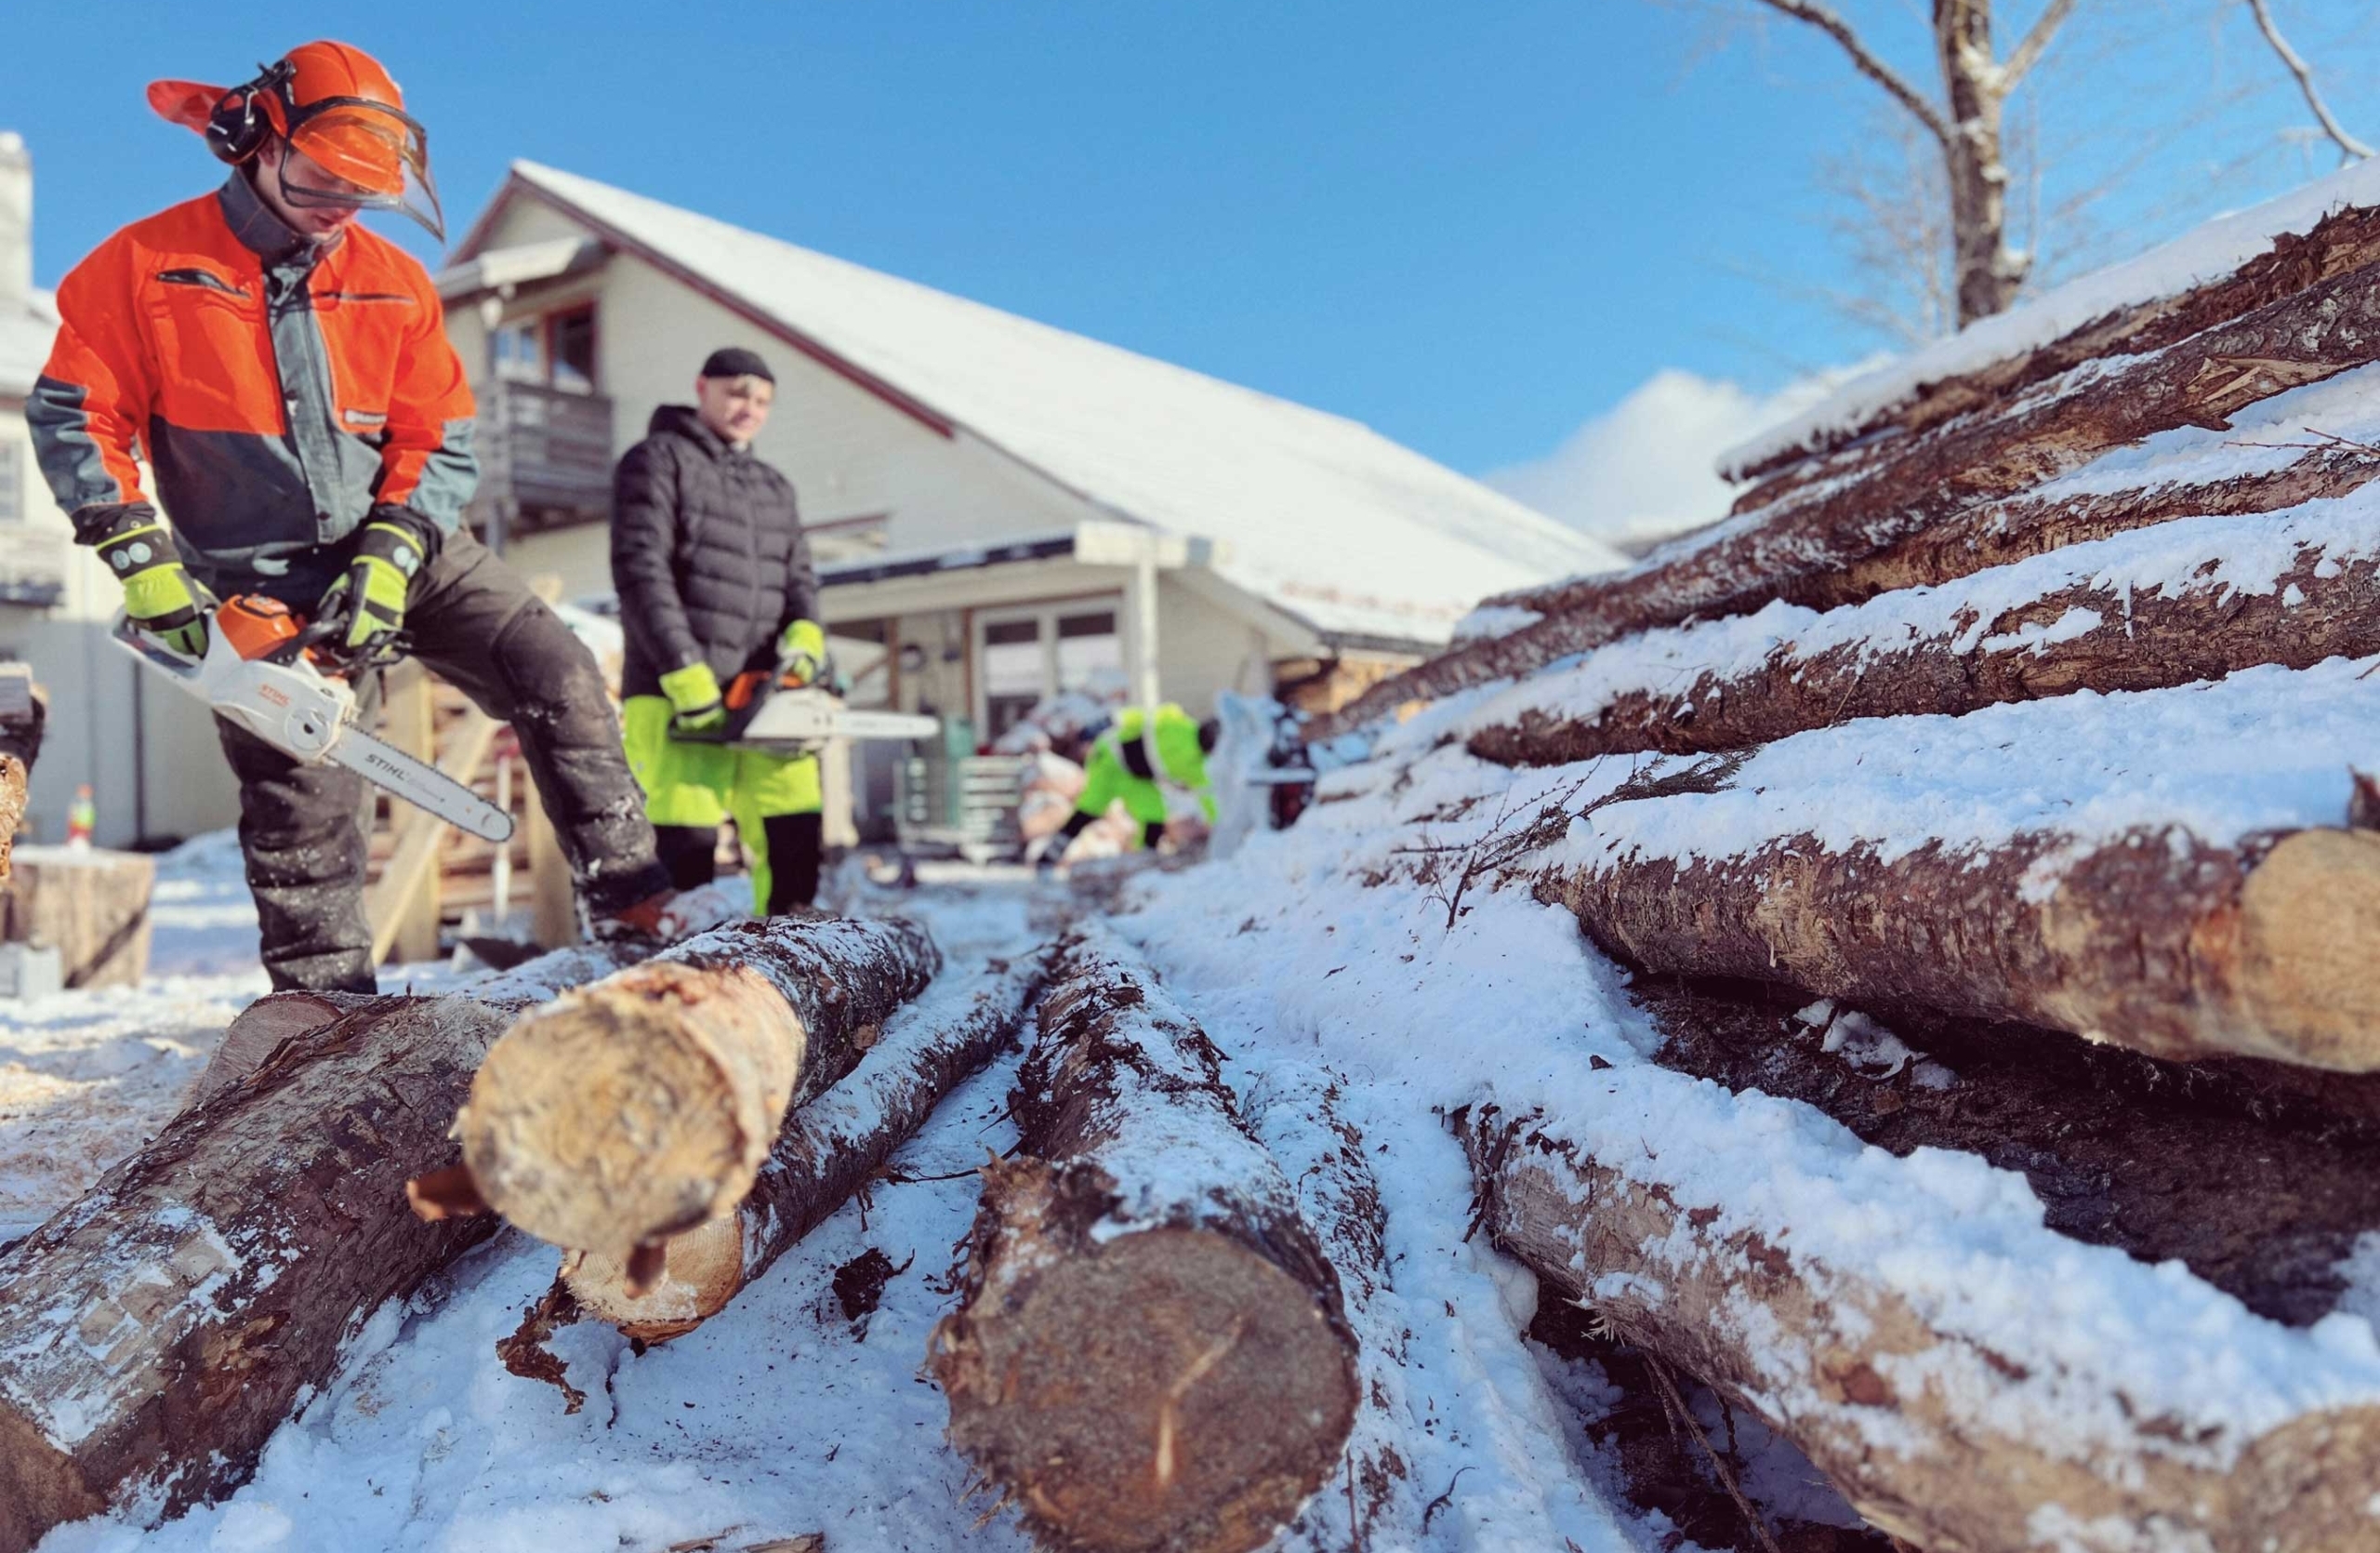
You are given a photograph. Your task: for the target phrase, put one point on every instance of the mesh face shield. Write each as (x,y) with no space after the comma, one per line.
(357,155)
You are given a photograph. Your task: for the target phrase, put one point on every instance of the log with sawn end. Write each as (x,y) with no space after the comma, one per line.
(2151,938)
(1739,565)
(635,1108)
(159,1329)
(1149,1351)
(1988,1452)
(831,1149)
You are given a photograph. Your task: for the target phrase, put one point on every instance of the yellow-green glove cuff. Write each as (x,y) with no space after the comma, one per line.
(692,689)
(803,636)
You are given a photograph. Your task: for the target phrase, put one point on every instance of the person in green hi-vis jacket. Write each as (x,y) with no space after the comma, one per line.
(715,580)
(1143,751)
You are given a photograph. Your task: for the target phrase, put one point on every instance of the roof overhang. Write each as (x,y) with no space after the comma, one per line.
(499,271)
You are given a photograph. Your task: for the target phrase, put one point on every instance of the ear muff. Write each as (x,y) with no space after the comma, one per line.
(237,126)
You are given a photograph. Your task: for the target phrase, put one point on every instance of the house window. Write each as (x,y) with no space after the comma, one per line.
(556,350)
(12,482)
(1028,654)
(570,345)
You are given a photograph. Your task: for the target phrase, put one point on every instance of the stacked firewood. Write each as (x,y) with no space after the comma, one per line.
(2016,708)
(1150,1350)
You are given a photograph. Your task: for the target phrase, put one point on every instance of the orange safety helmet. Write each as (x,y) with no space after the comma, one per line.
(338,106)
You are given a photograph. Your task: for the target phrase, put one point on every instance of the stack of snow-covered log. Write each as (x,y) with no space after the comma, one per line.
(2020,698)
(1150,1348)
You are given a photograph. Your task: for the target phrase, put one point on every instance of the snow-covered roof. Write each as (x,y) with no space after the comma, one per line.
(1321,517)
(28,325)
(2205,253)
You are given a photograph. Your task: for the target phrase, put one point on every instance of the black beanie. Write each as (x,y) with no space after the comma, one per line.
(734,360)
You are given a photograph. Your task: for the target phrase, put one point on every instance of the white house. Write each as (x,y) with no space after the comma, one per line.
(1022,503)
(1003,509)
(148,752)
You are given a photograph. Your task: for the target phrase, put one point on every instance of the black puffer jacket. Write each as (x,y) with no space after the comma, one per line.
(707,553)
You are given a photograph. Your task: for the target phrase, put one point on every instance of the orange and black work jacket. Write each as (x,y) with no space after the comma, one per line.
(280,390)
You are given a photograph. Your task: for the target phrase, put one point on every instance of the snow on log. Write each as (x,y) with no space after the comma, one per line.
(1300,1115)
(1149,1351)
(1966,1379)
(829,1149)
(640,1106)
(2157,871)
(1739,565)
(157,1331)
(2194,599)
(2258,1182)
(2220,270)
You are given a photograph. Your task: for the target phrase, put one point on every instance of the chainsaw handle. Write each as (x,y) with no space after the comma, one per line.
(313,634)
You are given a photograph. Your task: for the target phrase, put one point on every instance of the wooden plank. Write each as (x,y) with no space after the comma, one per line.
(412,870)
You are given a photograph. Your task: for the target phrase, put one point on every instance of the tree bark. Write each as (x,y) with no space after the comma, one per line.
(645,1104)
(24,710)
(1301,1121)
(1987,273)
(2259,1178)
(831,1149)
(155,1332)
(1149,1351)
(2327,329)
(2093,632)
(2155,940)
(1822,1354)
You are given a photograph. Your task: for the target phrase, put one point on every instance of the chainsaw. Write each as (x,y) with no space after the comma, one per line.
(778,715)
(259,674)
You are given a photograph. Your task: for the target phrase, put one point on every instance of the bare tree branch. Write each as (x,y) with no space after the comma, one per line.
(2350,148)
(2037,41)
(1827,21)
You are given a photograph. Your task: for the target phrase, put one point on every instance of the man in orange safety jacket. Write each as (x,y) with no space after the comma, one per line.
(287,374)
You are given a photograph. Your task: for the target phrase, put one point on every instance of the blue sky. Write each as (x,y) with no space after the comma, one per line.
(1473,226)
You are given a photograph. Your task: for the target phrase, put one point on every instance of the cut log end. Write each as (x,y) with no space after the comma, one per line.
(2309,949)
(611,1117)
(703,1270)
(1183,1338)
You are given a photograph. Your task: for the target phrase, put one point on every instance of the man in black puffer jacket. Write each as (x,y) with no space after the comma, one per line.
(714,578)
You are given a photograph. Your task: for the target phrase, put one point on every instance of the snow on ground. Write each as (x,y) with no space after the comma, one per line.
(786,1414)
(86,1077)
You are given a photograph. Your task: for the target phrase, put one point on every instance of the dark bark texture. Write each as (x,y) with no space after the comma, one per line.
(2328,328)
(156,1332)
(2344,240)
(2197,630)
(1812,1349)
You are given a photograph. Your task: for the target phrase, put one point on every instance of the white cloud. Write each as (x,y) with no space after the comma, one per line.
(1643,469)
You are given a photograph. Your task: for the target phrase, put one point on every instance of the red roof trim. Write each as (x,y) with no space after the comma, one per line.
(916,409)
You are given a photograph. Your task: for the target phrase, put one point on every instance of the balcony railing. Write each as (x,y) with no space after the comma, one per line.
(547,458)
